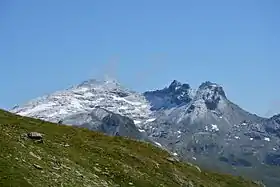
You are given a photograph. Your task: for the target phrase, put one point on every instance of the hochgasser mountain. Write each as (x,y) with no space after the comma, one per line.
(199,125)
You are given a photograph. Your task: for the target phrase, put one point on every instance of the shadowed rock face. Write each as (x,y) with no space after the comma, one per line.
(272,125)
(272,159)
(175,95)
(107,122)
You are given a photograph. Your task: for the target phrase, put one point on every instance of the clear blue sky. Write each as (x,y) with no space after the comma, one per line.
(51,45)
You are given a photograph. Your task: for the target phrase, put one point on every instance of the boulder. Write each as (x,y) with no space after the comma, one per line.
(35,135)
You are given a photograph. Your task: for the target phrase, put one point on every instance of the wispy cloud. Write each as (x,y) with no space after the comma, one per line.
(274,108)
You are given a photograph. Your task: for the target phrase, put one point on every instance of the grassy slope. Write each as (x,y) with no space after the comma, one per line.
(91,159)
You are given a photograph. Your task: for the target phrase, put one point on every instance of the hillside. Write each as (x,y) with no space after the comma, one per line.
(200,125)
(71,156)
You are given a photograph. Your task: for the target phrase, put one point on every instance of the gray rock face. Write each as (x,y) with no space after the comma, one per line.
(273,125)
(107,122)
(201,126)
(174,95)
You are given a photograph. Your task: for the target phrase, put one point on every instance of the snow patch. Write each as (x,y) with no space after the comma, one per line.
(215,127)
(127,101)
(267,139)
(158,144)
(194,158)
(133,103)
(251,138)
(151,120)
(75,103)
(144,106)
(123,108)
(237,137)
(88,94)
(82,89)
(136,122)
(99,99)
(274,149)
(175,154)
(62,111)
(37,108)
(244,124)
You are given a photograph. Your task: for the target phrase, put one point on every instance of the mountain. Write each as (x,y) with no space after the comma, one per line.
(198,125)
(215,133)
(38,153)
(209,112)
(103,106)
(85,97)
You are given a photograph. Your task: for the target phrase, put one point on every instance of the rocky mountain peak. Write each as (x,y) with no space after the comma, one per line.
(276,117)
(210,88)
(174,95)
(178,86)
(211,93)
(92,83)
(175,85)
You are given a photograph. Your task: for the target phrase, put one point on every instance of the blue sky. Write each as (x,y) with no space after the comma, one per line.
(51,45)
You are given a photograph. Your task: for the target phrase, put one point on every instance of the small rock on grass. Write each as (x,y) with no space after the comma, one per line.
(171,159)
(37,166)
(35,135)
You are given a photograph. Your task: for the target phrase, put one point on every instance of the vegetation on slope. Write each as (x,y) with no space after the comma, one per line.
(71,156)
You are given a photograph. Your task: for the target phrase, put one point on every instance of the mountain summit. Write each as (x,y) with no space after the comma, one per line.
(211,89)
(211,93)
(174,95)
